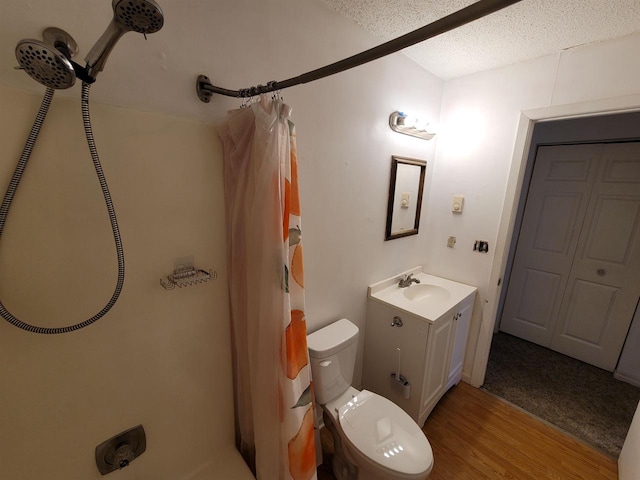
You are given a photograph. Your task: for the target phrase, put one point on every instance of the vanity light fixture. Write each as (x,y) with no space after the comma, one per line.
(402,123)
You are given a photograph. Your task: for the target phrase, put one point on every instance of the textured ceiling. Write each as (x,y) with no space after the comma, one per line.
(526,30)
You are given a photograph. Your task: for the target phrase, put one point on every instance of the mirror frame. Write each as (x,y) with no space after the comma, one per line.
(395,160)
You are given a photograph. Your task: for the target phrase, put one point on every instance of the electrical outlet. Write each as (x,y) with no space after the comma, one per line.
(451,242)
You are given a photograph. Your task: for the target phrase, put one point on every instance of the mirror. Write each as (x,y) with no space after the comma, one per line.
(405,196)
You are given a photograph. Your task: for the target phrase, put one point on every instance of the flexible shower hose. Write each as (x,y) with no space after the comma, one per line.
(13,186)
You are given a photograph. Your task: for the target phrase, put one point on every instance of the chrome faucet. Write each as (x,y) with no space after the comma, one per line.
(407,281)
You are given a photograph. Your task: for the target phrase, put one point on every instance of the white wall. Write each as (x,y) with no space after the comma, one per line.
(345,147)
(476,160)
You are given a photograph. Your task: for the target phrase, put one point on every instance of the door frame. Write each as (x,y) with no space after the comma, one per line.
(543,121)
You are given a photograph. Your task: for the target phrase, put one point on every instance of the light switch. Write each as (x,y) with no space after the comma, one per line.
(457,204)
(404,200)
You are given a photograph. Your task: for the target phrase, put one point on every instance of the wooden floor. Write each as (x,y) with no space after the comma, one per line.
(476,436)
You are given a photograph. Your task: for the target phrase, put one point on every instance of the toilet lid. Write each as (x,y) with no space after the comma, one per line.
(384,432)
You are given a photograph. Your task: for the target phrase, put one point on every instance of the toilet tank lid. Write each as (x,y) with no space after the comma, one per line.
(332,338)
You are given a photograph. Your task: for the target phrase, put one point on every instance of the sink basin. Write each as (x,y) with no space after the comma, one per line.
(426,292)
(430,299)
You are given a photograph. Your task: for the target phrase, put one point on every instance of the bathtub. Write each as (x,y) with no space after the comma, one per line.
(228,465)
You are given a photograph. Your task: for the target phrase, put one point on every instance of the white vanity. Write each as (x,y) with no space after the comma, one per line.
(415,339)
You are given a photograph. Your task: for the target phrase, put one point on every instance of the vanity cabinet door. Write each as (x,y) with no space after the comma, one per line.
(436,367)
(462,322)
(382,342)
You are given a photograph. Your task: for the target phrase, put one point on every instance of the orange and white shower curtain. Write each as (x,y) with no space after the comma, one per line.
(272,375)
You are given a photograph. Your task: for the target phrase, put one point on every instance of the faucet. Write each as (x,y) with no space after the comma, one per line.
(407,281)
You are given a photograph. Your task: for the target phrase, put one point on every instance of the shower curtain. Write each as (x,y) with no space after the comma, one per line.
(273,392)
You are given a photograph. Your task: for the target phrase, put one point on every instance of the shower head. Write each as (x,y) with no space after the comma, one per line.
(142,16)
(49,61)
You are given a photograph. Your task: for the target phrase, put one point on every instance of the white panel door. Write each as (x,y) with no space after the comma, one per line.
(604,283)
(576,273)
(558,198)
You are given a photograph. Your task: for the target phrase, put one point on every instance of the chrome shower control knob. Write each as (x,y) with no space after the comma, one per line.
(119,451)
(123,456)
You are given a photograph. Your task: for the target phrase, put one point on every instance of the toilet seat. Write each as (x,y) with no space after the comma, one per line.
(385,434)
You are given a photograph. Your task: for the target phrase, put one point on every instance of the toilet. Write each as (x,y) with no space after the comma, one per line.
(374,438)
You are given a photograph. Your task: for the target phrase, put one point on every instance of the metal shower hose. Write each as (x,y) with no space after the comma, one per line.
(11,190)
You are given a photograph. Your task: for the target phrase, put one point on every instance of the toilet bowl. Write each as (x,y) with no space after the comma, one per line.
(374,438)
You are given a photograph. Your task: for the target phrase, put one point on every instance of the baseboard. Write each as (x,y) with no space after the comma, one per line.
(623,378)
(466,378)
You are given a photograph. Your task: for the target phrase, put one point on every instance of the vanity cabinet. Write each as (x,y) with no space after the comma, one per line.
(428,354)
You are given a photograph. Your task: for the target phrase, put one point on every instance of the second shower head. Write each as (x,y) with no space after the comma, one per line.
(142,16)
(48,61)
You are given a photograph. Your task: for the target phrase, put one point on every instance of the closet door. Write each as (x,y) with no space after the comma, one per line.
(604,282)
(561,184)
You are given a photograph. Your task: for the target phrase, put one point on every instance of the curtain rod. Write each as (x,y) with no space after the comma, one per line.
(205,89)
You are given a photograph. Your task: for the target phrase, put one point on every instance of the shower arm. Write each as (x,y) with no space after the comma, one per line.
(205,89)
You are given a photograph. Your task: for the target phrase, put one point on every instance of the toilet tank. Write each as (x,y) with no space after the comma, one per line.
(332,352)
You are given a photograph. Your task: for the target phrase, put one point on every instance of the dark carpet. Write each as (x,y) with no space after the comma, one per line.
(583,400)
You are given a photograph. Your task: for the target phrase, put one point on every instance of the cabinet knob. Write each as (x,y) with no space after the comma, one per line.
(397,322)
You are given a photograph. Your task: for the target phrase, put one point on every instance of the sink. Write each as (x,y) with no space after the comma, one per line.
(426,292)
(430,299)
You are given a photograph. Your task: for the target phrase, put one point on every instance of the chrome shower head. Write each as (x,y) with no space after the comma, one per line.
(142,16)
(49,61)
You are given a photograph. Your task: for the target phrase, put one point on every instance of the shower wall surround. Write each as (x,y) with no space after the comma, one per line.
(159,358)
